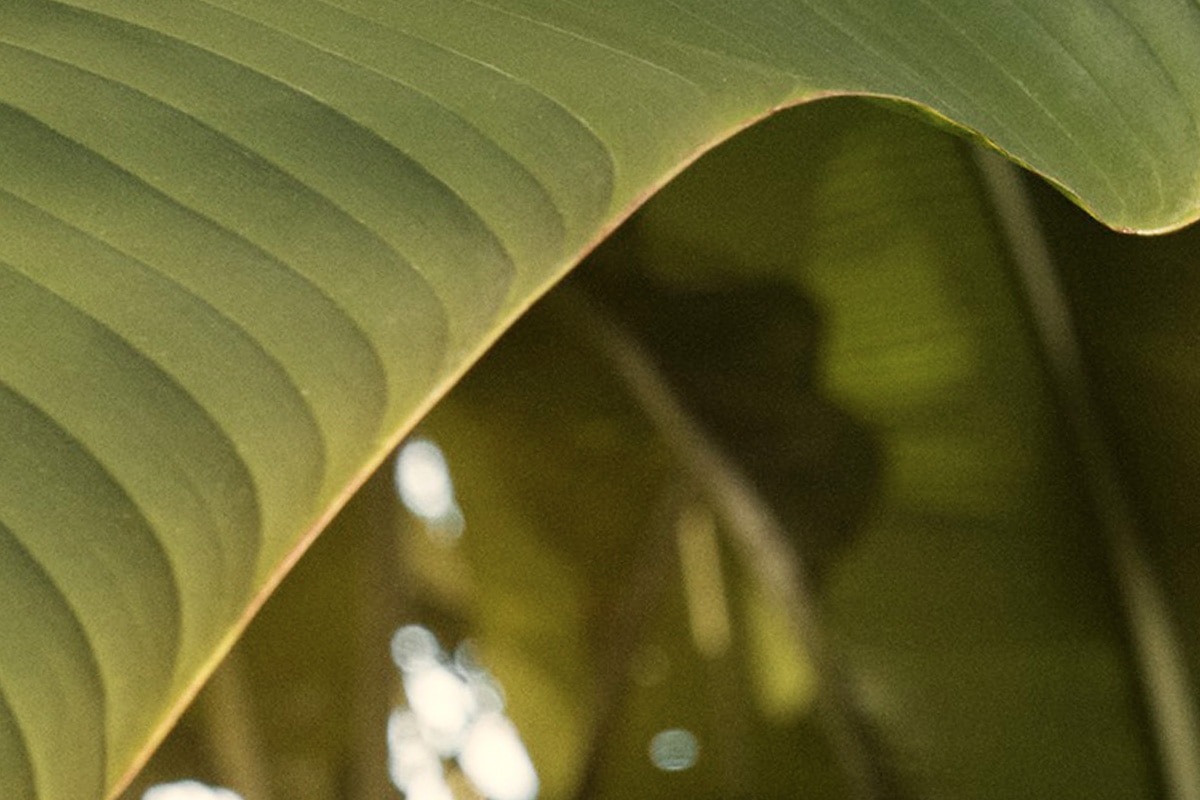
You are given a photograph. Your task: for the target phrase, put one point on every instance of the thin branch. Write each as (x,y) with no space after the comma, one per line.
(755,528)
(1155,643)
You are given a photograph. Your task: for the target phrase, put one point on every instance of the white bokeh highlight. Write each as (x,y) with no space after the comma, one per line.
(495,760)
(425,487)
(674,750)
(455,710)
(443,704)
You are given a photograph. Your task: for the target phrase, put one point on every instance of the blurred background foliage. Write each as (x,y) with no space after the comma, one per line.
(830,300)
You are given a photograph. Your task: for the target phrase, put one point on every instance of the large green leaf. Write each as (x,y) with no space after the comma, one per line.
(247,244)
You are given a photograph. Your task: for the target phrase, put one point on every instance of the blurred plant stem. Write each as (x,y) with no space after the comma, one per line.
(1155,643)
(753,526)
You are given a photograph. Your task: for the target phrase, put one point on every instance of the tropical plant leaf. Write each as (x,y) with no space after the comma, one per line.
(246,244)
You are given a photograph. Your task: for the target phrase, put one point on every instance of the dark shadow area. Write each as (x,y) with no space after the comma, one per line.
(744,356)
